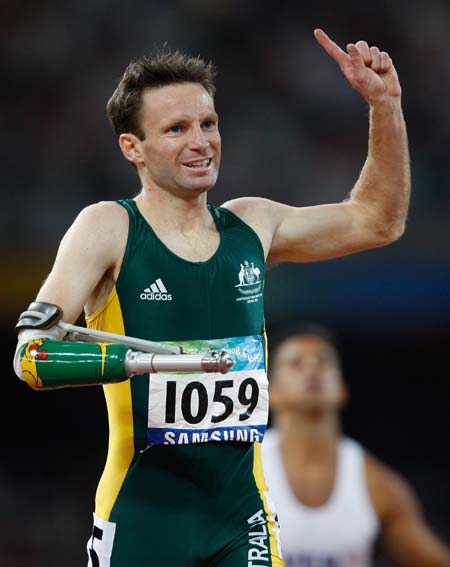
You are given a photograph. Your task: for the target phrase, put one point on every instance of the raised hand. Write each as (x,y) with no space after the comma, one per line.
(369,70)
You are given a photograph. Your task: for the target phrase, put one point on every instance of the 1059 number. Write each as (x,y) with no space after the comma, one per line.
(248,395)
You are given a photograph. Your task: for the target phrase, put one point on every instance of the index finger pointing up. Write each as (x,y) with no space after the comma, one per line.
(330,47)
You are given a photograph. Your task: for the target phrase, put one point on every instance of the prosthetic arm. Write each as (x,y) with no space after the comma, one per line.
(50,355)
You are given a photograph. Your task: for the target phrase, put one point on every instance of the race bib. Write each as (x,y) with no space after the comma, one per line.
(210,406)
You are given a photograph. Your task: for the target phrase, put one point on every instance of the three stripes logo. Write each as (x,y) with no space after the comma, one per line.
(156,292)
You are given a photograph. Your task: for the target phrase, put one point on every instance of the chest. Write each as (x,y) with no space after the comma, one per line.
(312,485)
(166,296)
(314,504)
(193,247)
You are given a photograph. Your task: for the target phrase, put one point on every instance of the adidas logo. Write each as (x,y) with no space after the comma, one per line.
(156,292)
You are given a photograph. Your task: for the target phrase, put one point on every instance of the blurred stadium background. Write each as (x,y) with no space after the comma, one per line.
(293,130)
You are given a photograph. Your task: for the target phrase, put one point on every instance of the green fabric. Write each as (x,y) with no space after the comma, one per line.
(187,505)
(60,364)
(205,302)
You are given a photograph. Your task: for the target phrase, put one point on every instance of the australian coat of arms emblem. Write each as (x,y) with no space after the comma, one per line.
(249,278)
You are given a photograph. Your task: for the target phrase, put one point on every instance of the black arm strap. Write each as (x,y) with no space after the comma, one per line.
(39,315)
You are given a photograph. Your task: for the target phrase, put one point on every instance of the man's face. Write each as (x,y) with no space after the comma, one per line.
(182,146)
(306,375)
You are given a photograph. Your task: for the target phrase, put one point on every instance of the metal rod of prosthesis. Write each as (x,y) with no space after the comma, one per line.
(141,363)
(91,335)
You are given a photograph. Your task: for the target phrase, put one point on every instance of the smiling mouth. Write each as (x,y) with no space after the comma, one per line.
(199,164)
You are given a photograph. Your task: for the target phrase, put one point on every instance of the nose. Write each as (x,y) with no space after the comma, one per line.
(198,140)
(311,362)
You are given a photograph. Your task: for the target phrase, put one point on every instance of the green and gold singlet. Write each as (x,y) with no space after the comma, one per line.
(183,483)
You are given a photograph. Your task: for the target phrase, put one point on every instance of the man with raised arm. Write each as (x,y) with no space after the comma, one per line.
(184,449)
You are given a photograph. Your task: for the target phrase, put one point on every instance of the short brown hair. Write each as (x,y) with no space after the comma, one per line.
(158,70)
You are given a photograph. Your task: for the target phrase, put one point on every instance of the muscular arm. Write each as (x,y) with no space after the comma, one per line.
(376,210)
(90,251)
(407,537)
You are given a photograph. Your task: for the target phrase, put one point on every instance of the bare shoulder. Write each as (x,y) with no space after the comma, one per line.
(242,205)
(263,215)
(102,224)
(98,234)
(88,255)
(251,208)
(103,215)
(389,490)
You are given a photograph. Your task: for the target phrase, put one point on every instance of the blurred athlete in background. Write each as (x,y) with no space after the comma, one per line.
(333,498)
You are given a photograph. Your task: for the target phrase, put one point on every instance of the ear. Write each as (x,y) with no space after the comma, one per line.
(131,147)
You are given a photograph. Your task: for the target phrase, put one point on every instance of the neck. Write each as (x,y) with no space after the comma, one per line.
(163,209)
(308,435)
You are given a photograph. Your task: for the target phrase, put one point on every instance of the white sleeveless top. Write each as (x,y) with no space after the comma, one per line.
(342,532)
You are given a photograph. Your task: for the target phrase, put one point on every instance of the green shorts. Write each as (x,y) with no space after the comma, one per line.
(198,505)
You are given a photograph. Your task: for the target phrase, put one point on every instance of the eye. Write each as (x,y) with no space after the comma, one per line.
(208,124)
(294,362)
(176,129)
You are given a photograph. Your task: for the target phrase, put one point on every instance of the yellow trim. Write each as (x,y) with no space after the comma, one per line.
(108,317)
(275,551)
(266,350)
(258,473)
(28,364)
(91,319)
(103,349)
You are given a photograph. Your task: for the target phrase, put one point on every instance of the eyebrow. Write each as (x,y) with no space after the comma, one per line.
(187,118)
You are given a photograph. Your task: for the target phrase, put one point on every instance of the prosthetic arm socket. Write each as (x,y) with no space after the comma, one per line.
(48,364)
(45,361)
